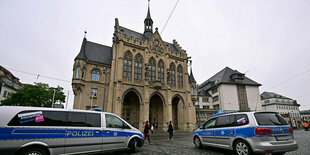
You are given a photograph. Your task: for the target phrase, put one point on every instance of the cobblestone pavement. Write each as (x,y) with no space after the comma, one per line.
(182,144)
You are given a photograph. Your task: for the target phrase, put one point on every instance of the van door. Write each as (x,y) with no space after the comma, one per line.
(84,132)
(225,130)
(114,134)
(207,133)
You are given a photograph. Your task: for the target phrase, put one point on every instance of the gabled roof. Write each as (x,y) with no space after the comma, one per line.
(267,95)
(134,34)
(94,52)
(225,77)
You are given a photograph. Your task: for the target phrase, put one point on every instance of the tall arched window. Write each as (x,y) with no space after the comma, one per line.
(127,65)
(78,72)
(95,75)
(180,76)
(83,73)
(152,69)
(160,71)
(138,67)
(172,74)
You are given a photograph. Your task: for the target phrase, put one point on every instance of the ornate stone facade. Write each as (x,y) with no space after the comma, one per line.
(140,78)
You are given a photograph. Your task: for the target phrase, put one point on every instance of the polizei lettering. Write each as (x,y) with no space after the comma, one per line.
(80,133)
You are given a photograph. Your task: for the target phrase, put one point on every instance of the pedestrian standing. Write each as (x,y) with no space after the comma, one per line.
(147,131)
(170,130)
(306,126)
(152,128)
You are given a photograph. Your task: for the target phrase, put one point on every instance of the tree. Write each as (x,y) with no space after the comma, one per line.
(38,95)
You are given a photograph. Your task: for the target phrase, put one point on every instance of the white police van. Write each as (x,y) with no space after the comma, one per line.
(247,133)
(44,131)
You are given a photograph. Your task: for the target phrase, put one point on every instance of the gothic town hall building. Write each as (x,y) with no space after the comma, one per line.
(140,78)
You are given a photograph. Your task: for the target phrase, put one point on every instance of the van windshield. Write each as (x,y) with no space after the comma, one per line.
(269,119)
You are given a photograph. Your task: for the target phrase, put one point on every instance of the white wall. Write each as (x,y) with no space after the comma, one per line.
(228,97)
(253,97)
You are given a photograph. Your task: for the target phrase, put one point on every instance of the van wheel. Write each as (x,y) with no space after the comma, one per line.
(33,151)
(197,142)
(133,145)
(242,148)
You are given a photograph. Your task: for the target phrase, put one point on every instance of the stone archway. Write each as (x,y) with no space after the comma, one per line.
(175,111)
(156,111)
(131,105)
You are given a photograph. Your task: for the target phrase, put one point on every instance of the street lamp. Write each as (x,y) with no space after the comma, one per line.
(105,71)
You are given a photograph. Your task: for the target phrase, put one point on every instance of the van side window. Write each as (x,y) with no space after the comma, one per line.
(232,121)
(84,119)
(113,121)
(93,120)
(222,121)
(209,124)
(242,119)
(39,118)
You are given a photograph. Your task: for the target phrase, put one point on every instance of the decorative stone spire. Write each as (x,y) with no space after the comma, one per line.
(148,23)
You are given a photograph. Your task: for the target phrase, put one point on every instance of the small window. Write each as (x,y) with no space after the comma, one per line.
(242,119)
(77,72)
(113,121)
(83,73)
(222,121)
(269,119)
(205,99)
(5,93)
(77,119)
(206,107)
(214,90)
(93,120)
(93,92)
(215,98)
(209,124)
(95,76)
(39,118)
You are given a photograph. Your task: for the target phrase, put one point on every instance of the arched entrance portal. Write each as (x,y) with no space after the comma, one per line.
(175,112)
(156,111)
(130,111)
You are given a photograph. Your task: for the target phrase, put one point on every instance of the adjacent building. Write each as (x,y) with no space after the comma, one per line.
(305,116)
(140,77)
(228,90)
(8,83)
(287,107)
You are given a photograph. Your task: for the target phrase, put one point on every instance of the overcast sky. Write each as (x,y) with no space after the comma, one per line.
(269,40)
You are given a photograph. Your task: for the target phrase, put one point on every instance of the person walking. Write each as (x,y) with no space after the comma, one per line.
(147,131)
(170,130)
(152,128)
(306,126)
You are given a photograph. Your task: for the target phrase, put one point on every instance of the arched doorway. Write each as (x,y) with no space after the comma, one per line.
(130,111)
(156,111)
(175,112)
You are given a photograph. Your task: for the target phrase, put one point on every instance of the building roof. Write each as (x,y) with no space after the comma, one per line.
(94,52)
(227,76)
(267,95)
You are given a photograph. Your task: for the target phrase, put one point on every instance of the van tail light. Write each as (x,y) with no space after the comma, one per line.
(263,131)
(290,130)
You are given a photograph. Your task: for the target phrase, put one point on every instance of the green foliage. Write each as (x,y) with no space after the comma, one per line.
(38,95)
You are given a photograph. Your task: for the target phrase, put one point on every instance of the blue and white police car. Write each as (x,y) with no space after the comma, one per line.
(47,131)
(246,133)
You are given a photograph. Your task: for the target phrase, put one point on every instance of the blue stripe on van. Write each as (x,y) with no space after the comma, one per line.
(35,133)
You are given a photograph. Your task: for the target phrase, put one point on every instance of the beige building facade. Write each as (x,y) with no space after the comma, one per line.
(140,78)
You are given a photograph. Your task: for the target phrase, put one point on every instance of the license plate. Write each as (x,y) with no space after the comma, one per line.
(281,138)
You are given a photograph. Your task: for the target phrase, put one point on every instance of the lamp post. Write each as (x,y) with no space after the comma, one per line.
(105,87)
